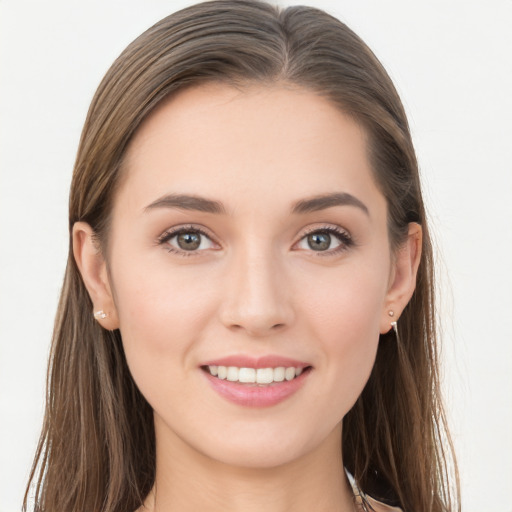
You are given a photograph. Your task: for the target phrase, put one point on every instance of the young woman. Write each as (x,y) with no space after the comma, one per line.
(247,316)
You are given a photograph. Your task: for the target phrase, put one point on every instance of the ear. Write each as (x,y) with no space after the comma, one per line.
(403,277)
(93,268)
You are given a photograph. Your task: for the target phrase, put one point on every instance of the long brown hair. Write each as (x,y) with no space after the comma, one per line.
(97,447)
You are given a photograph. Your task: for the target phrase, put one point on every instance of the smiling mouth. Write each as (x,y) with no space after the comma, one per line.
(255,376)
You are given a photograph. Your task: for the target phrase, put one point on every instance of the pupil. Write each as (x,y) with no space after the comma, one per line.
(189,241)
(319,241)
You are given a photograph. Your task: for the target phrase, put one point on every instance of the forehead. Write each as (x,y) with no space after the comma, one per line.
(273,142)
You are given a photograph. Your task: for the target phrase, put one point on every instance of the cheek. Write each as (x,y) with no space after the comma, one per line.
(347,304)
(154,298)
(161,314)
(344,316)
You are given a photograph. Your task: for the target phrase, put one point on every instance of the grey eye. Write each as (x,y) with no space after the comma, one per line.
(324,240)
(319,241)
(189,241)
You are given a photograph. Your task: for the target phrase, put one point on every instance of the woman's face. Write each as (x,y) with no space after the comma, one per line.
(248,233)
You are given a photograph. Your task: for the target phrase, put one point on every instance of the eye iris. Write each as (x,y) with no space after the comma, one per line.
(319,241)
(189,241)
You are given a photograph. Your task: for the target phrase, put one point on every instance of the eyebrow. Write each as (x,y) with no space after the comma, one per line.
(203,204)
(325,201)
(187,202)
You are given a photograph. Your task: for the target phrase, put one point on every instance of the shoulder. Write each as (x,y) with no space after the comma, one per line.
(366,503)
(376,506)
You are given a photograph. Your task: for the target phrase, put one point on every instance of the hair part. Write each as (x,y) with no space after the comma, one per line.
(97,447)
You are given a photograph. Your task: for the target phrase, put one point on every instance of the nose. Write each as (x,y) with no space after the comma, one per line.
(256,297)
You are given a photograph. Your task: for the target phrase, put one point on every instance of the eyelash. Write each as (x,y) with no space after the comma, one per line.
(168,235)
(343,237)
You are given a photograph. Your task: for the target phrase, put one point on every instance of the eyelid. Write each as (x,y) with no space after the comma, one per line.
(343,235)
(170,233)
(325,227)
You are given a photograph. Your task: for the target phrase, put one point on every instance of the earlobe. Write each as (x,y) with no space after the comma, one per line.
(93,269)
(403,283)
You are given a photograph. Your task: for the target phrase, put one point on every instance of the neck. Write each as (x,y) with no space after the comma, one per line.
(189,481)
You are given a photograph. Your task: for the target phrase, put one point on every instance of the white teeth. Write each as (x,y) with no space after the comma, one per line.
(232,373)
(253,375)
(247,375)
(264,375)
(279,374)
(289,374)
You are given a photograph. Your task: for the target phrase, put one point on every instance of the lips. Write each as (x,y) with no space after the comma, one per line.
(256,382)
(244,361)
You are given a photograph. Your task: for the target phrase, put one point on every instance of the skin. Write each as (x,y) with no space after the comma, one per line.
(255,286)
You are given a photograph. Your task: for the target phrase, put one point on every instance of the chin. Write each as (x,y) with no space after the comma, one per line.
(257,458)
(267,449)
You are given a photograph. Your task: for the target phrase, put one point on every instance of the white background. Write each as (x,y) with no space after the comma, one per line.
(451,62)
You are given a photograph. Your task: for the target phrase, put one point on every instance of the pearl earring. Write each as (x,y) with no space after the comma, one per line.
(394,325)
(100,314)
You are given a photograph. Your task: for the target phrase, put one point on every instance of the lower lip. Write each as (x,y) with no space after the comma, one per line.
(249,395)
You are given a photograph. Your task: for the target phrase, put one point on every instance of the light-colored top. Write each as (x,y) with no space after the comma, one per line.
(366,503)
(372,505)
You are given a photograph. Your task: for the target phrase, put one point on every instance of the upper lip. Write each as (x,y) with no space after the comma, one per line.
(245,361)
